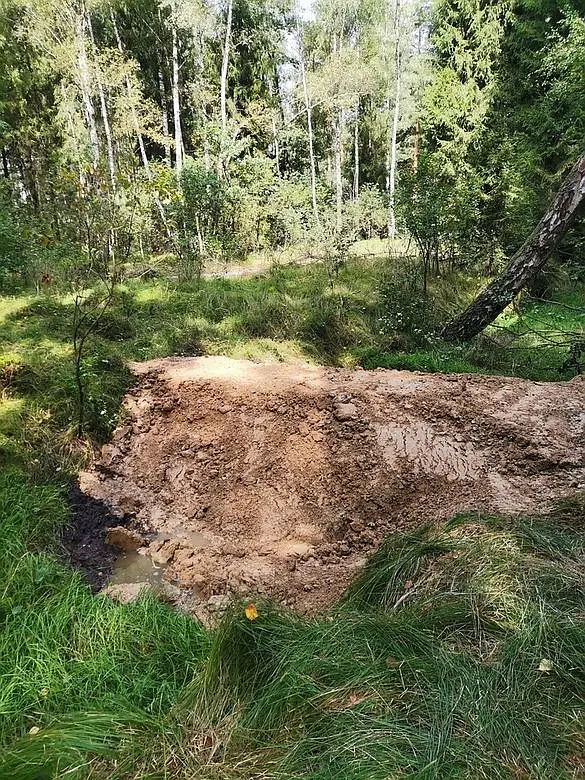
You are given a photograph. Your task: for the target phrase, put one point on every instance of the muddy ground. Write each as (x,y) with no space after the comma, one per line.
(281,479)
(84,539)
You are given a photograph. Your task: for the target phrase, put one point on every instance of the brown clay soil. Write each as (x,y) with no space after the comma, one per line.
(281,479)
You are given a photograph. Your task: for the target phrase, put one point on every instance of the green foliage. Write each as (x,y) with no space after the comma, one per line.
(431,663)
(63,649)
(12,242)
(407,315)
(501,68)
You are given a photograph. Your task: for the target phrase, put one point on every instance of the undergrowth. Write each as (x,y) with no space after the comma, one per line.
(367,313)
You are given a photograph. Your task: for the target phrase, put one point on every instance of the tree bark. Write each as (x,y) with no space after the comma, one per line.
(104,109)
(356,152)
(394,133)
(85,84)
(275,144)
(224,67)
(526,263)
(309,127)
(338,155)
(165,117)
(5,167)
(177,103)
(130,93)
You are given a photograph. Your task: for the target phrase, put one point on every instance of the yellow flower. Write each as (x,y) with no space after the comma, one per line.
(251,612)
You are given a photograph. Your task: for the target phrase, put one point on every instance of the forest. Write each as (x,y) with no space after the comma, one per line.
(292,410)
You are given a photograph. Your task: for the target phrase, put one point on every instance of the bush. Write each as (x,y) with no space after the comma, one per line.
(407,318)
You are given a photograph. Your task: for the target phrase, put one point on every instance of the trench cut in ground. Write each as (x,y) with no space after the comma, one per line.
(280,479)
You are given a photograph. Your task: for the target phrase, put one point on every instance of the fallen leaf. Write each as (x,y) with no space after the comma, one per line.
(545,665)
(34,730)
(408,584)
(392,662)
(251,612)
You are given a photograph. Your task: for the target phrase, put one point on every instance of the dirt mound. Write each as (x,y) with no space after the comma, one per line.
(281,479)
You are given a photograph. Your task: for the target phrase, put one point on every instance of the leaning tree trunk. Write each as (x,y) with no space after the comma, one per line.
(526,263)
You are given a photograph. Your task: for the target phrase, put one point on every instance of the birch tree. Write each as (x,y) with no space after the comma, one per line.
(176,95)
(393,129)
(526,263)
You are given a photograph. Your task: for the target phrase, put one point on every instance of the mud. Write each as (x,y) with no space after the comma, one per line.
(282,479)
(84,538)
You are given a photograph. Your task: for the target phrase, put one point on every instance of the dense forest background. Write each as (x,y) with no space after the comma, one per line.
(192,131)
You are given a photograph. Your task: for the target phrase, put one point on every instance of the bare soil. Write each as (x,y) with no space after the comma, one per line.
(281,479)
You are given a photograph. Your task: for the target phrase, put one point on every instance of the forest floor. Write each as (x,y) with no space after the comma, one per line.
(281,479)
(457,648)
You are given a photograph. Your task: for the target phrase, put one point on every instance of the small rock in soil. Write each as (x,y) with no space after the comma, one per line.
(345,411)
(218,603)
(124,593)
(164,554)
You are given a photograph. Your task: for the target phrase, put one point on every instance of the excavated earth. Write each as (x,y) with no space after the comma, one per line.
(244,478)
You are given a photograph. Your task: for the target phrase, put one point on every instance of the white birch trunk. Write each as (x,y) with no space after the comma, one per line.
(85,84)
(276,146)
(338,154)
(394,133)
(177,104)
(356,152)
(309,128)
(138,132)
(164,117)
(224,67)
(104,110)
(130,92)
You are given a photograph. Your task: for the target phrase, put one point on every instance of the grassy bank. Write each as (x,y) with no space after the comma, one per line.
(457,653)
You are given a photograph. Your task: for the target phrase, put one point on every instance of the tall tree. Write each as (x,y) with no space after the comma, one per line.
(176,96)
(309,113)
(224,66)
(393,129)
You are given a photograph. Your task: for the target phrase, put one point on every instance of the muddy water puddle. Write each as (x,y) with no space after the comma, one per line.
(136,567)
(192,538)
(132,567)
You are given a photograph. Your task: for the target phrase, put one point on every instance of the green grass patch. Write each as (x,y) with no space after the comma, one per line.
(456,653)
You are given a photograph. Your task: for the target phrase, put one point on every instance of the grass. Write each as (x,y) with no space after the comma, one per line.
(457,653)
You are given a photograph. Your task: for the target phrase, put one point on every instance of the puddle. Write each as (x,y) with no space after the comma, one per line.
(132,567)
(192,538)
